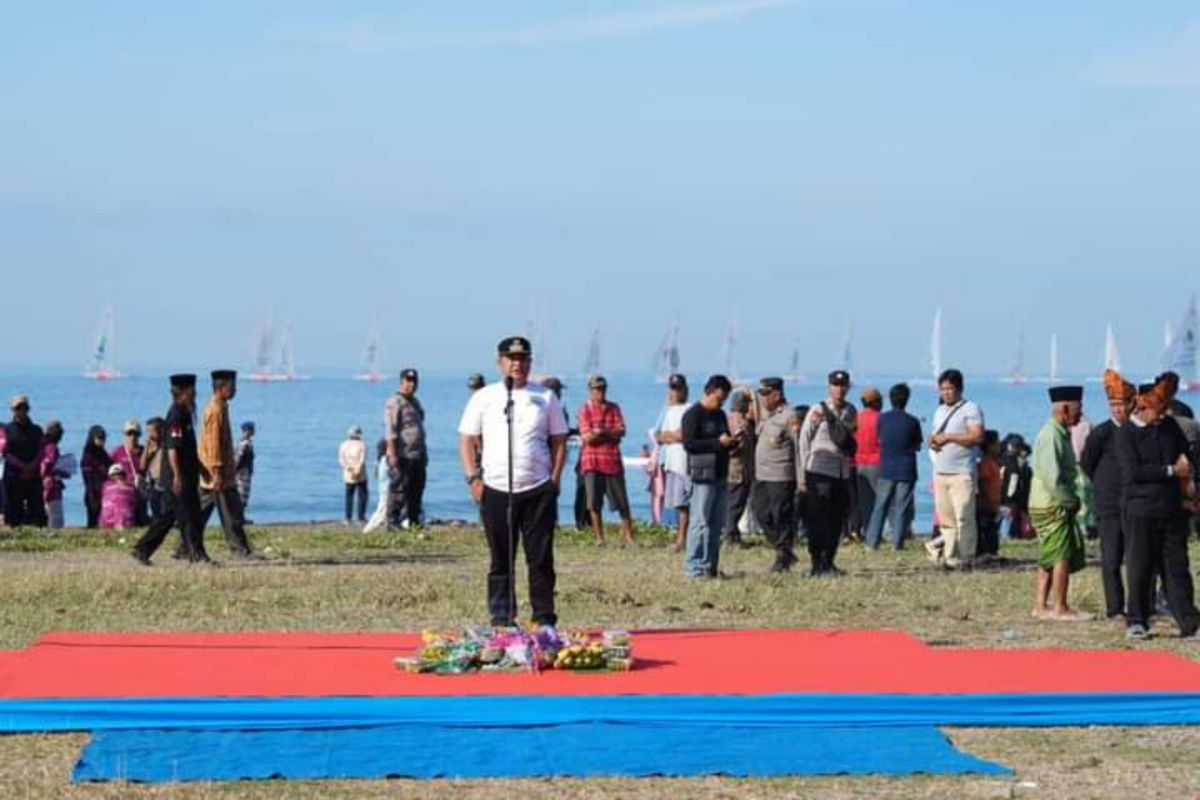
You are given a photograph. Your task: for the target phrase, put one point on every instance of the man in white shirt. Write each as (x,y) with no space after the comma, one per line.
(957,435)
(669,435)
(539,436)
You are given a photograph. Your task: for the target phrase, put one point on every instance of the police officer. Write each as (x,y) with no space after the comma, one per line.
(773,495)
(404,432)
(218,460)
(180,480)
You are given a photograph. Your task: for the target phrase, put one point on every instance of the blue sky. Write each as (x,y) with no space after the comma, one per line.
(452,169)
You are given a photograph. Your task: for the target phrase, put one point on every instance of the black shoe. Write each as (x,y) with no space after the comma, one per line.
(179,555)
(141,558)
(781,565)
(248,555)
(202,561)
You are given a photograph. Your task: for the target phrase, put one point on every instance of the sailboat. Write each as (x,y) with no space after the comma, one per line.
(371,371)
(795,375)
(666,357)
(935,351)
(1112,357)
(103,366)
(1017,377)
(1052,375)
(729,352)
(847,360)
(1181,351)
(266,368)
(591,362)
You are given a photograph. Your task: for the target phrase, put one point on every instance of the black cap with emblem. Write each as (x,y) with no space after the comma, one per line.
(767,385)
(839,377)
(475,381)
(409,374)
(514,346)
(677,380)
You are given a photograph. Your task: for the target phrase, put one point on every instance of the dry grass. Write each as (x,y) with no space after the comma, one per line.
(334,580)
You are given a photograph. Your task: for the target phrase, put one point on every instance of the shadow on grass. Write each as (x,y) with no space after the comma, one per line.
(355,560)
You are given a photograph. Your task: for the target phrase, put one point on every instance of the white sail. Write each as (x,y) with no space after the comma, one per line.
(666,357)
(263,352)
(371,357)
(103,362)
(1112,357)
(935,345)
(591,362)
(287,364)
(1181,354)
(1018,370)
(796,376)
(847,358)
(1053,374)
(729,351)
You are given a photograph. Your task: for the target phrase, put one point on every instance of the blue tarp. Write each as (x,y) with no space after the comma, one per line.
(790,710)
(586,749)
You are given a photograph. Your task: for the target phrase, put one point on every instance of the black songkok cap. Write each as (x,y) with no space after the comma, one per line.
(183,380)
(1066,394)
(224,375)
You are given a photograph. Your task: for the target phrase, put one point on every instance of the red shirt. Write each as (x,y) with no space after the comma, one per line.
(867,437)
(601,457)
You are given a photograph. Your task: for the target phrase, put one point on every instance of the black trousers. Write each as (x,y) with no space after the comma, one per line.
(1152,544)
(184,511)
(827,505)
(228,504)
(1112,555)
(739,498)
(774,506)
(583,518)
(23,504)
(987,528)
(534,516)
(91,504)
(358,490)
(407,490)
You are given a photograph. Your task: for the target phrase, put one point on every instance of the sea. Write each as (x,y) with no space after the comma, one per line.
(301,423)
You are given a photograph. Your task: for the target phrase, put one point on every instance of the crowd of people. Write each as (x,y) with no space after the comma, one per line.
(734,461)
(123,486)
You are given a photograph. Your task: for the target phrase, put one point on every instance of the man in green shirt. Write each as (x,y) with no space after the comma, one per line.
(1054,503)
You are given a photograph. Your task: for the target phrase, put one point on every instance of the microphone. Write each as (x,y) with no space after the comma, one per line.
(508,405)
(508,383)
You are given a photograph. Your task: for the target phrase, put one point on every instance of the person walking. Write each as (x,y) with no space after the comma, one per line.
(773,497)
(1157,475)
(827,448)
(93,466)
(404,431)
(352,456)
(602,427)
(1054,503)
(741,464)
(958,429)
(867,457)
(53,471)
(677,488)
(180,480)
(517,505)
(1101,463)
(243,468)
(23,441)
(218,487)
(899,435)
(704,431)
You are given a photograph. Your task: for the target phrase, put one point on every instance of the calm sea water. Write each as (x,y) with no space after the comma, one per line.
(301,424)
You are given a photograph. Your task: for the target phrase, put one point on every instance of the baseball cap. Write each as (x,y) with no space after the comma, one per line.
(514,346)
(475,381)
(839,377)
(132,426)
(18,400)
(409,374)
(597,382)
(771,384)
(677,381)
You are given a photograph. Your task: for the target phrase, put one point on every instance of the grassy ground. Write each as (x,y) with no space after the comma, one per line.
(330,579)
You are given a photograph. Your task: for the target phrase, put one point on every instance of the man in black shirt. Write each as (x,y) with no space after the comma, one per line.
(22,468)
(705,434)
(180,480)
(1099,461)
(1156,475)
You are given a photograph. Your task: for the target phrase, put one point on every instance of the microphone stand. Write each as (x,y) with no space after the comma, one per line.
(512,555)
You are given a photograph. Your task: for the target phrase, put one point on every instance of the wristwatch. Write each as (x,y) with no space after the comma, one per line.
(474,476)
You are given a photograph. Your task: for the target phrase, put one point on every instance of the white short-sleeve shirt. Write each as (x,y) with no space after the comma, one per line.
(954,459)
(537,415)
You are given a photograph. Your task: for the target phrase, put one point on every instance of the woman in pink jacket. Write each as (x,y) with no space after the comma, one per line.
(118,501)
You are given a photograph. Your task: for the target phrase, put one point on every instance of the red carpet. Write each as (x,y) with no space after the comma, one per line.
(80,665)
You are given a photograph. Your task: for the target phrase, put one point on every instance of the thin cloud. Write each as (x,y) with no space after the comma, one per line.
(1172,62)
(366,37)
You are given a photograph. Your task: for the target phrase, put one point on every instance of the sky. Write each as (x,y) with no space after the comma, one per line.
(449,171)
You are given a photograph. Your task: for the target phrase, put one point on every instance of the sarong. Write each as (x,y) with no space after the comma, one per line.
(1059,537)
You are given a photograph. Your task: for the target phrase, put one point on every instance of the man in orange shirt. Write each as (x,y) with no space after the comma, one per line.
(218,481)
(987,499)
